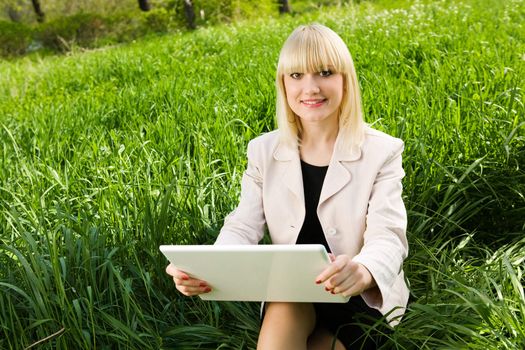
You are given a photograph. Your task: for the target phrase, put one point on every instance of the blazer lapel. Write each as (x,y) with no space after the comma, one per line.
(291,174)
(337,175)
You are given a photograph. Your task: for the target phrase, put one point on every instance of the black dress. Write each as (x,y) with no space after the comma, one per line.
(351,321)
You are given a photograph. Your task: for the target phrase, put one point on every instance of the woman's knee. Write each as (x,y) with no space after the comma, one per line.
(293,314)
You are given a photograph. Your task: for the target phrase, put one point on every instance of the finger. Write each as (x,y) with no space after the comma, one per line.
(346,276)
(346,288)
(350,288)
(181,277)
(185,282)
(350,292)
(338,280)
(188,281)
(192,286)
(358,280)
(331,270)
(176,273)
(194,290)
(170,269)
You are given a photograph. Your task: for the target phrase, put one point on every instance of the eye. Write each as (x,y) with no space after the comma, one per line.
(296,75)
(325,73)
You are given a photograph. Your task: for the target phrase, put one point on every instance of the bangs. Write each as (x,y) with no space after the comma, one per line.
(311,49)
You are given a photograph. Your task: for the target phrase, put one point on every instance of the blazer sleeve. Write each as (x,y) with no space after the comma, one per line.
(385,244)
(246,224)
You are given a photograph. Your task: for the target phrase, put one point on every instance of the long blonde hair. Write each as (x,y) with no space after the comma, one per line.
(311,48)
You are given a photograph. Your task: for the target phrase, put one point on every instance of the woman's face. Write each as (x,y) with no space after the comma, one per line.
(314,96)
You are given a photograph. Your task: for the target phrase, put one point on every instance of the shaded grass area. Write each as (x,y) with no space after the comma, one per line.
(108,154)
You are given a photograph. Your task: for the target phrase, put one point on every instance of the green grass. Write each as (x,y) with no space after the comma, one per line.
(108,154)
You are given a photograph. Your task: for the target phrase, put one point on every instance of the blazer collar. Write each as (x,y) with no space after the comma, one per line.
(337,175)
(288,151)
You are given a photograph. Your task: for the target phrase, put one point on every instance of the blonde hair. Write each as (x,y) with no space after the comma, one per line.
(312,48)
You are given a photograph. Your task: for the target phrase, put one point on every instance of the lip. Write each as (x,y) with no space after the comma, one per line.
(313,103)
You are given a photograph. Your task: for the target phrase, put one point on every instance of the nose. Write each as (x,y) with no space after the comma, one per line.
(311,85)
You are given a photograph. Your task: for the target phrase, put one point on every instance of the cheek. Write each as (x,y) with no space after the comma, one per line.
(292,103)
(340,95)
(338,90)
(290,93)
(340,83)
(287,87)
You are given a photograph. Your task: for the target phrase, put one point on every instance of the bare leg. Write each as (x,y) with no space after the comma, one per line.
(321,339)
(286,326)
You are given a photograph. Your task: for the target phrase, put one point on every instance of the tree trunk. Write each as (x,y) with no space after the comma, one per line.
(284,6)
(38,11)
(189,12)
(13,14)
(144,5)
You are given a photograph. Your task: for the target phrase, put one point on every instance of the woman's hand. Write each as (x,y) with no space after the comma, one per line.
(346,277)
(185,284)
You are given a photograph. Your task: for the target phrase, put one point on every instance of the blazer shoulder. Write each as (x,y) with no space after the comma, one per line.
(264,144)
(271,137)
(375,138)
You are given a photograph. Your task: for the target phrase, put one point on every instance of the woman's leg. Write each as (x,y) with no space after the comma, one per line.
(321,339)
(356,324)
(286,326)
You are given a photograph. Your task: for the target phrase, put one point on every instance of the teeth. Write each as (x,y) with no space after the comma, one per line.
(312,102)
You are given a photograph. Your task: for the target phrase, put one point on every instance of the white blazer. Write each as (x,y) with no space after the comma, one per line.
(360,208)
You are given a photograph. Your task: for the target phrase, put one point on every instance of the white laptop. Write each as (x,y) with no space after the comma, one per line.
(256,272)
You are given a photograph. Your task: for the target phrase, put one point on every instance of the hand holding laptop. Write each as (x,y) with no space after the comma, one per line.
(186,284)
(254,272)
(345,276)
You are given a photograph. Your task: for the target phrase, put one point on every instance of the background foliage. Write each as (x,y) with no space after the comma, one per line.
(107,154)
(94,23)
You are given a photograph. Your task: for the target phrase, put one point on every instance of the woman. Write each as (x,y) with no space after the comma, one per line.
(324,177)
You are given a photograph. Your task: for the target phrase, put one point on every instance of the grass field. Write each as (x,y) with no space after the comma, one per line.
(109,153)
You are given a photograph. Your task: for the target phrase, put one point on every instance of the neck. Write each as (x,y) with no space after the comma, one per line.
(317,143)
(319,133)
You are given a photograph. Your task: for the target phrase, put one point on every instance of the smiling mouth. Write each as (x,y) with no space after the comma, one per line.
(313,103)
